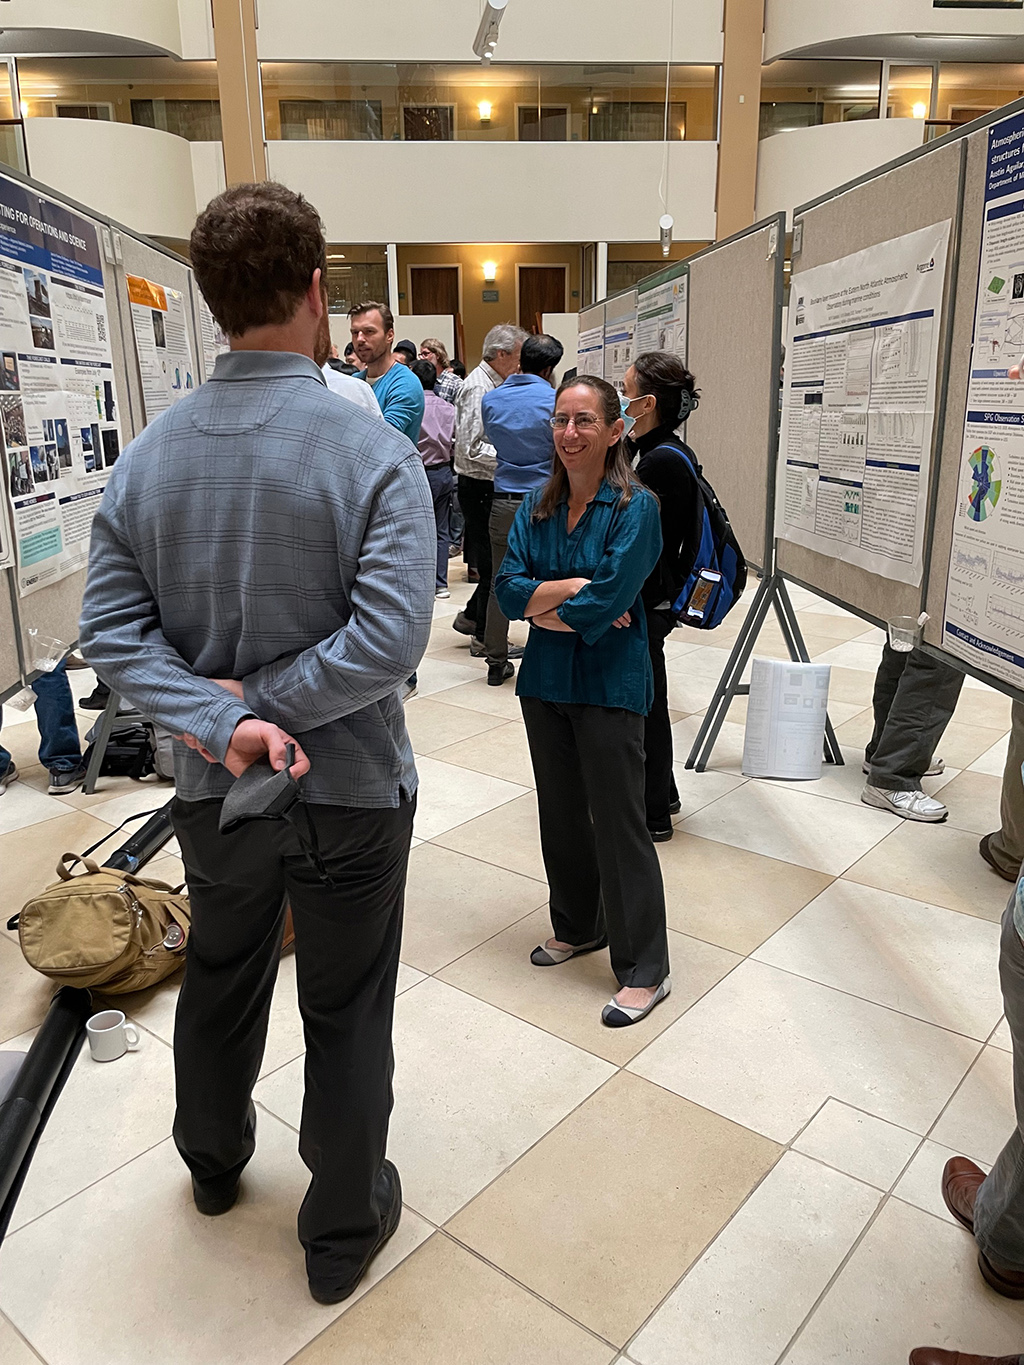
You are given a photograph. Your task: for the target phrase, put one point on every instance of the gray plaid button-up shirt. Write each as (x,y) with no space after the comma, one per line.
(267,530)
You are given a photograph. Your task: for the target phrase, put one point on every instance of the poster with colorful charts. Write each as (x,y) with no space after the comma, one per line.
(58,406)
(983,622)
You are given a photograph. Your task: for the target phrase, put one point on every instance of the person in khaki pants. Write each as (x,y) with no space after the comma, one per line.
(1003,850)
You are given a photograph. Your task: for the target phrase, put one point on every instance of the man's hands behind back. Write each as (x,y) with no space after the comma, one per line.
(250,741)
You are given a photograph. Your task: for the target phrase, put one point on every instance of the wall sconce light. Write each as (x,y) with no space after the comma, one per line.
(490,271)
(919,110)
(484,109)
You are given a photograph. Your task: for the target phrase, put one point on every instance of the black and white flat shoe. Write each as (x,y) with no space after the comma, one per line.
(621,1016)
(554,957)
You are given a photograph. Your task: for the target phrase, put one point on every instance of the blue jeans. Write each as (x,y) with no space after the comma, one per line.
(59,746)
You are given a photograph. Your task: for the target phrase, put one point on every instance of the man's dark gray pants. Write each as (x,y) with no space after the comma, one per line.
(914,698)
(999,1208)
(503,514)
(347,940)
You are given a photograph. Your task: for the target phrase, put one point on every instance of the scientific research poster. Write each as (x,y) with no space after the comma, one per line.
(859,403)
(618,349)
(58,409)
(590,351)
(161,341)
(984,616)
(214,341)
(661,317)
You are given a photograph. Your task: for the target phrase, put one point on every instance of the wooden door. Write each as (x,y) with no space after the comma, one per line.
(434,289)
(541,290)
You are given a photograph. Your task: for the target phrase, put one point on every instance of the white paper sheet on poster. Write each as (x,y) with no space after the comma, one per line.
(784,734)
(58,408)
(161,343)
(662,318)
(214,341)
(618,349)
(590,351)
(859,403)
(984,606)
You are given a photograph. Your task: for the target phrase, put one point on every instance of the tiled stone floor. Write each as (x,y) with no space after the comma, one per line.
(749,1177)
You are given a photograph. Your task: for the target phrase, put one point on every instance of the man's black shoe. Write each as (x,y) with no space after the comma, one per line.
(96,700)
(499,673)
(214,1197)
(390,1181)
(464,624)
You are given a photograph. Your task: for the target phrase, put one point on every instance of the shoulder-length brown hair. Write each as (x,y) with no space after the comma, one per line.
(618,469)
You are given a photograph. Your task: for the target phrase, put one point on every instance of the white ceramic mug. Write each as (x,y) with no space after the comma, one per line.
(110,1036)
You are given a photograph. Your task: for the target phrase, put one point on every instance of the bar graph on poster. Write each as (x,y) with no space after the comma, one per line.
(58,409)
(984,608)
(859,403)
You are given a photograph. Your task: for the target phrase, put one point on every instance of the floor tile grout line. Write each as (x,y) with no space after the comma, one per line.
(22,1337)
(91,1185)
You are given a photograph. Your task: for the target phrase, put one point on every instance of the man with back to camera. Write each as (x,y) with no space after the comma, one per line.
(475,463)
(517,422)
(290,595)
(399,394)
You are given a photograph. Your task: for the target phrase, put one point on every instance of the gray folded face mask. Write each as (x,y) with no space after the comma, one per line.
(260,793)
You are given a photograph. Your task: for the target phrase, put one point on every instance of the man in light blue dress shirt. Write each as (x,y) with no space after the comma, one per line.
(517,422)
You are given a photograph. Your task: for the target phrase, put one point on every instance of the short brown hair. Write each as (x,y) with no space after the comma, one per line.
(254,250)
(386,315)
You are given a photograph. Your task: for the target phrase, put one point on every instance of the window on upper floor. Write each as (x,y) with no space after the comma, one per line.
(156,92)
(498,103)
(797,94)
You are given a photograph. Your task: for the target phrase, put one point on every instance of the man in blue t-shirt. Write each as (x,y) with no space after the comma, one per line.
(517,422)
(395,387)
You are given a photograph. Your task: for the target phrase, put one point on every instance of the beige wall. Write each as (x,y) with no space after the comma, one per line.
(793,26)
(532,30)
(741,92)
(795,167)
(459,191)
(140,176)
(181,27)
(478,317)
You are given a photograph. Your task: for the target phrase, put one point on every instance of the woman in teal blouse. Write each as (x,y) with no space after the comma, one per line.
(579,552)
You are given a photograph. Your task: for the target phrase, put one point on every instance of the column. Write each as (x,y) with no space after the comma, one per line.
(601,283)
(238,75)
(740,114)
(393,285)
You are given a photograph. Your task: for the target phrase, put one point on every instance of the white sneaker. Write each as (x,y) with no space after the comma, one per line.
(441,594)
(934,769)
(908,805)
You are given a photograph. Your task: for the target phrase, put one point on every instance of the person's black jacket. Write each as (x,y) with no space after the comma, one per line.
(666,471)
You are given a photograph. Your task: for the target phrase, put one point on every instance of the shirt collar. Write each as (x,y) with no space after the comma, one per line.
(490,373)
(235,365)
(517,379)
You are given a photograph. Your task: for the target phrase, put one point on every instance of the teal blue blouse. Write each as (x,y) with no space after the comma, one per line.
(616,548)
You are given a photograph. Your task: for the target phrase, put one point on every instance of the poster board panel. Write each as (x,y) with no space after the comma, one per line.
(619,329)
(907,198)
(959,370)
(590,341)
(731,354)
(10,672)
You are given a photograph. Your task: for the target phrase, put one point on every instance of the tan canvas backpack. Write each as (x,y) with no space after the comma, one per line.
(105,928)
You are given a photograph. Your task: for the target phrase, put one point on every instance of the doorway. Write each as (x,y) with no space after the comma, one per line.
(540,289)
(434,289)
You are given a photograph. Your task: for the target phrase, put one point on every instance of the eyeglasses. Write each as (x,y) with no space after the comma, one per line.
(586,421)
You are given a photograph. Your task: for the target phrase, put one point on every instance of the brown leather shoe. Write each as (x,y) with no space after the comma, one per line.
(1009,1283)
(933,1355)
(961,1180)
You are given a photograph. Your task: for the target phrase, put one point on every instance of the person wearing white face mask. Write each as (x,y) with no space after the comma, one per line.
(659,394)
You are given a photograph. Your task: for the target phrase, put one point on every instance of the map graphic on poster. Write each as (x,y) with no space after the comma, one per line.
(162,344)
(662,317)
(984,495)
(984,617)
(214,341)
(58,409)
(859,403)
